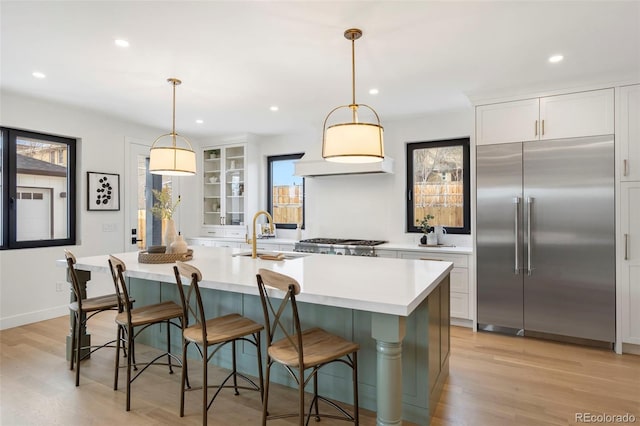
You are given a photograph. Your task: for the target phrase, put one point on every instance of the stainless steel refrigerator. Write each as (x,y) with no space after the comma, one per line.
(546,238)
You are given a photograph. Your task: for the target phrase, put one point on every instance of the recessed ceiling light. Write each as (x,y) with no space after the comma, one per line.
(274,108)
(555,58)
(121,43)
(38,74)
(199,121)
(373,92)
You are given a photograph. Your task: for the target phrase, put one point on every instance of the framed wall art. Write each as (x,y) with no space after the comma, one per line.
(103,191)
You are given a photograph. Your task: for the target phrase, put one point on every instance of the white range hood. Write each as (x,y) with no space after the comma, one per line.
(320,167)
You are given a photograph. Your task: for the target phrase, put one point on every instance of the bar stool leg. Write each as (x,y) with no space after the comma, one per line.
(78,351)
(315,395)
(265,401)
(356,409)
(205,385)
(259,353)
(119,335)
(169,346)
(301,415)
(183,376)
(235,371)
(72,358)
(130,345)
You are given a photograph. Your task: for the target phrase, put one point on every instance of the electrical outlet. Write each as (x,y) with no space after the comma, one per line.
(59,286)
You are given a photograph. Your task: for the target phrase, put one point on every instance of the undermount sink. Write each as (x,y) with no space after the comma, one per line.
(284,254)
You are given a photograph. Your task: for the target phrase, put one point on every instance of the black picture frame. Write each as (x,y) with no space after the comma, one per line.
(103,191)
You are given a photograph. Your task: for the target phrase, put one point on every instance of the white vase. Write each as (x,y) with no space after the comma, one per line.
(432,239)
(170,234)
(179,245)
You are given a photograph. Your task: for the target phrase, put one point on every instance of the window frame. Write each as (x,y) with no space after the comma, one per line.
(270,160)
(464,142)
(10,186)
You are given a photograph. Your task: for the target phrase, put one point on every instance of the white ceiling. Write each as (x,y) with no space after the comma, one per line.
(238,58)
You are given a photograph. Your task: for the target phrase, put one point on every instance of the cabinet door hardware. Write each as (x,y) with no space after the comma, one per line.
(535,128)
(542,127)
(625,169)
(426,258)
(626,246)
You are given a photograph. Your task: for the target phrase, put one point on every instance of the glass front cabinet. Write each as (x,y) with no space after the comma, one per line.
(224,179)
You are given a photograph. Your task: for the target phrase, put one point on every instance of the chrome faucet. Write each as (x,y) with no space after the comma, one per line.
(252,241)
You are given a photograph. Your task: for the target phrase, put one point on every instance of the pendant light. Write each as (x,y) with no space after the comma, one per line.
(172,159)
(353,141)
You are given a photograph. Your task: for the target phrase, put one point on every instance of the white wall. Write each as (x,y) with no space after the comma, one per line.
(366,206)
(28,277)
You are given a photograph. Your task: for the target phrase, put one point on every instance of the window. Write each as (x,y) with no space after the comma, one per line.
(438,184)
(285,192)
(37,195)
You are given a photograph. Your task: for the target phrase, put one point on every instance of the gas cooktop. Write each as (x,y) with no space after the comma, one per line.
(340,246)
(342,241)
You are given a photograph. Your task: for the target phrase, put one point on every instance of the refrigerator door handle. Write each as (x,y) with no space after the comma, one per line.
(626,246)
(529,267)
(516,203)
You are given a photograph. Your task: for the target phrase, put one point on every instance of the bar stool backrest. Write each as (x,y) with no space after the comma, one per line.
(180,270)
(274,318)
(118,268)
(75,285)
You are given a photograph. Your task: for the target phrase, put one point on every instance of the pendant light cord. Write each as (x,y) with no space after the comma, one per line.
(173,123)
(174,82)
(354,107)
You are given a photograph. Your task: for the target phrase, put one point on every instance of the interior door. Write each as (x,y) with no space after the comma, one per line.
(142,229)
(570,251)
(499,237)
(135,201)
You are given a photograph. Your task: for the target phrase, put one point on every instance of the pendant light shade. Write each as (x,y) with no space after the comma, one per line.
(172,154)
(353,141)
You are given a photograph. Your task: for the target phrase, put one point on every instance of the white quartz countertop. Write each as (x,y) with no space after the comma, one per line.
(416,247)
(388,286)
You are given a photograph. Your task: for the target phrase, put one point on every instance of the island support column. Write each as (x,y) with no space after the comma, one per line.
(389,331)
(85,339)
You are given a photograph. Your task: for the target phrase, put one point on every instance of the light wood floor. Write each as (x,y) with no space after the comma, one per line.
(494,380)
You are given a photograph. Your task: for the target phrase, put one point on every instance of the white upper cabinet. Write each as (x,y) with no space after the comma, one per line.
(507,122)
(629,133)
(552,117)
(577,114)
(224,184)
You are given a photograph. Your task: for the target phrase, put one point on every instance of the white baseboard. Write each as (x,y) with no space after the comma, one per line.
(630,348)
(461,322)
(35,316)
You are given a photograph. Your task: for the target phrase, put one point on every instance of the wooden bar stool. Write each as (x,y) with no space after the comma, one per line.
(304,349)
(215,333)
(140,318)
(83,309)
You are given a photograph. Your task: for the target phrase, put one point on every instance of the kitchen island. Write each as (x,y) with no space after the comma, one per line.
(396,309)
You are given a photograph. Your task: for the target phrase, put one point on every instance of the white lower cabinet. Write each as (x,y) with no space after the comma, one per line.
(387,253)
(230,244)
(286,247)
(630,262)
(459,278)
